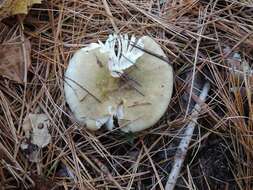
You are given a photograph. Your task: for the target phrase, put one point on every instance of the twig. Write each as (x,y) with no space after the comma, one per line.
(128,79)
(108,11)
(195,63)
(184,144)
(107,173)
(153,166)
(153,54)
(86,90)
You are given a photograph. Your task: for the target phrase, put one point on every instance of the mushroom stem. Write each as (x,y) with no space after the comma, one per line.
(184,143)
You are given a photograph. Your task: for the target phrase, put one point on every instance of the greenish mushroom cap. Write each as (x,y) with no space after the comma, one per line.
(138,98)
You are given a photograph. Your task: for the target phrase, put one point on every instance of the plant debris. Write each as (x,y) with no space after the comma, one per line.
(15,7)
(15,59)
(193,35)
(37,135)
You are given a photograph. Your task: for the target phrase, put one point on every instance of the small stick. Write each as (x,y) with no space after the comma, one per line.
(126,80)
(153,54)
(107,173)
(83,88)
(127,77)
(108,11)
(184,144)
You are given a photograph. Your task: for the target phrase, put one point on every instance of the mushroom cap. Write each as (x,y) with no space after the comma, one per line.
(90,90)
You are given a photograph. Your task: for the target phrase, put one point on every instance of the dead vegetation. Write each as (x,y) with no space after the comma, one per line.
(204,40)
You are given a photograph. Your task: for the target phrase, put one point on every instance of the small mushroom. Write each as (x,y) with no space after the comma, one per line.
(124,83)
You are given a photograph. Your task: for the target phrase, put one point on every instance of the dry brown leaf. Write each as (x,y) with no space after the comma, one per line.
(12,60)
(14,7)
(37,135)
(36,128)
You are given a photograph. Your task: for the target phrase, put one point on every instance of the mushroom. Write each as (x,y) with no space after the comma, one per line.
(124,83)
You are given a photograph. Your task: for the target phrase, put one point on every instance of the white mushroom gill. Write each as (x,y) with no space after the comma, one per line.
(108,121)
(123,52)
(102,85)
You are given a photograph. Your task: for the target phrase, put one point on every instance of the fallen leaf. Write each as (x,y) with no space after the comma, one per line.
(36,128)
(14,7)
(37,135)
(41,136)
(12,60)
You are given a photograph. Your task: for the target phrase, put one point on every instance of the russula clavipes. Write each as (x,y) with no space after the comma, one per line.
(125,82)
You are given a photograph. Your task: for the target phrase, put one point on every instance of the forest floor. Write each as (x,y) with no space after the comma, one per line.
(205,41)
